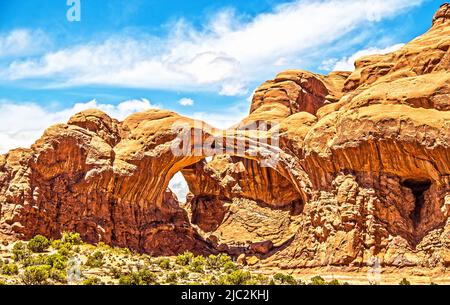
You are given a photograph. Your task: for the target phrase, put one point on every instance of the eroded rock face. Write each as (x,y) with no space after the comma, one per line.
(362,171)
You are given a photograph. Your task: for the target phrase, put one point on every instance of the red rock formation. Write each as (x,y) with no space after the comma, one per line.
(362,170)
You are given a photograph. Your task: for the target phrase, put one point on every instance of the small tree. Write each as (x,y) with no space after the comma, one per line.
(318,280)
(38,244)
(35,275)
(57,261)
(404,282)
(95,260)
(285,279)
(71,238)
(229,267)
(10,269)
(164,264)
(91,281)
(197,264)
(184,259)
(143,277)
(20,251)
(238,277)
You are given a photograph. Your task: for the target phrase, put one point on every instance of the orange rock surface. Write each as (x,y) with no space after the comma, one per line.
(361,171)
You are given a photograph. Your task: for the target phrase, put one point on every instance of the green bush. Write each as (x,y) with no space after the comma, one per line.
(317,280)
(285,279)
(56,244)
(10,269)
(95,260)
(183,274)
(184,259)
(260,279)
(164,264)
(35,275)
(143,277)
(34,260)
(215,262)
(334,282)
(20,251)
(171,278)
(147,277)
(65,249)
(91,281)
(237,277)
(197,264)
(115,273)
(404,282)
(57,261)
(58,275)
(71,238)
(38,244)
(229,267)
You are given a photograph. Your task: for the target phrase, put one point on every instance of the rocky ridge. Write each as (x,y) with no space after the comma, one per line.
(362,171)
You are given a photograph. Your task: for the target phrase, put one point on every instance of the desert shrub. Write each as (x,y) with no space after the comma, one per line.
(95,260)
(237,277)
(184,259)
(71,238)
(38,244)
(57,261)
(229,267)
(224,258)
(183,274)
(91,281)
(3,283)
(65,249)
(20,251)
(56,244)
(10,269)
(143,277)
(164,263)
(115,273)
(147,277)
(404,282)
(317,280)
(35,275)
(34,260)
(215,262)
(260,279)
(334,282)
(58,275)
(171,278)
(285,279)
(213,281)
(197,264)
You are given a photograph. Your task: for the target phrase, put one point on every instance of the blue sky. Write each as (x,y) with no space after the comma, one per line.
(201,58)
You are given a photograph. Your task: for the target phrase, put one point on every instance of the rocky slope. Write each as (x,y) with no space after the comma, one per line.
(348,168)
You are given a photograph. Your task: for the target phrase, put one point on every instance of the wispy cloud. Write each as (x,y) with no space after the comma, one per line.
(179,186)
(22,42)
(23,123)
(347,63)
(186,101)
(224,55)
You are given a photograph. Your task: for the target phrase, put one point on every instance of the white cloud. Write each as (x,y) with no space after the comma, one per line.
(223,119)
(224,55)
(22,42)
(179,186)
(22,124)
(348,63)
(186,101)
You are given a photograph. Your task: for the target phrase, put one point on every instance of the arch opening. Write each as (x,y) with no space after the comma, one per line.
(418,187)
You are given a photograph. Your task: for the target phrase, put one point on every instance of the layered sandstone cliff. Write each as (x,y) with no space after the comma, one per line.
(348,167)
